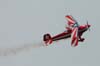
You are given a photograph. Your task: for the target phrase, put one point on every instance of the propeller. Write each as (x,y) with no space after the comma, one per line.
(88,26)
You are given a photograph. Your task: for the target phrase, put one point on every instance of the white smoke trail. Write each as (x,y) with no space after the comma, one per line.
(15,50)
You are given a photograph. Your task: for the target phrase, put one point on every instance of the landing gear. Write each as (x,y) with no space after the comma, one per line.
(81,39)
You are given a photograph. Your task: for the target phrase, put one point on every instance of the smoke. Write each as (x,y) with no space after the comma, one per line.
(16,50)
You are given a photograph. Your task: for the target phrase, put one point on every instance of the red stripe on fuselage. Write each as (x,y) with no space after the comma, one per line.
(65,35)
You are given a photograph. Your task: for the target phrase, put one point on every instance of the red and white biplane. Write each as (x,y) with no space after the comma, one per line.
(74,30)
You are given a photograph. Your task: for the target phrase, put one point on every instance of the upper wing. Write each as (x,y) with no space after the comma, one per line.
(71,21)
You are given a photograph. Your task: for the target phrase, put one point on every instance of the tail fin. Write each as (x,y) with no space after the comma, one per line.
(47,39)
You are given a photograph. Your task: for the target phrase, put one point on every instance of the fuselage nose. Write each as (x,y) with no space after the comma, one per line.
(84,28)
